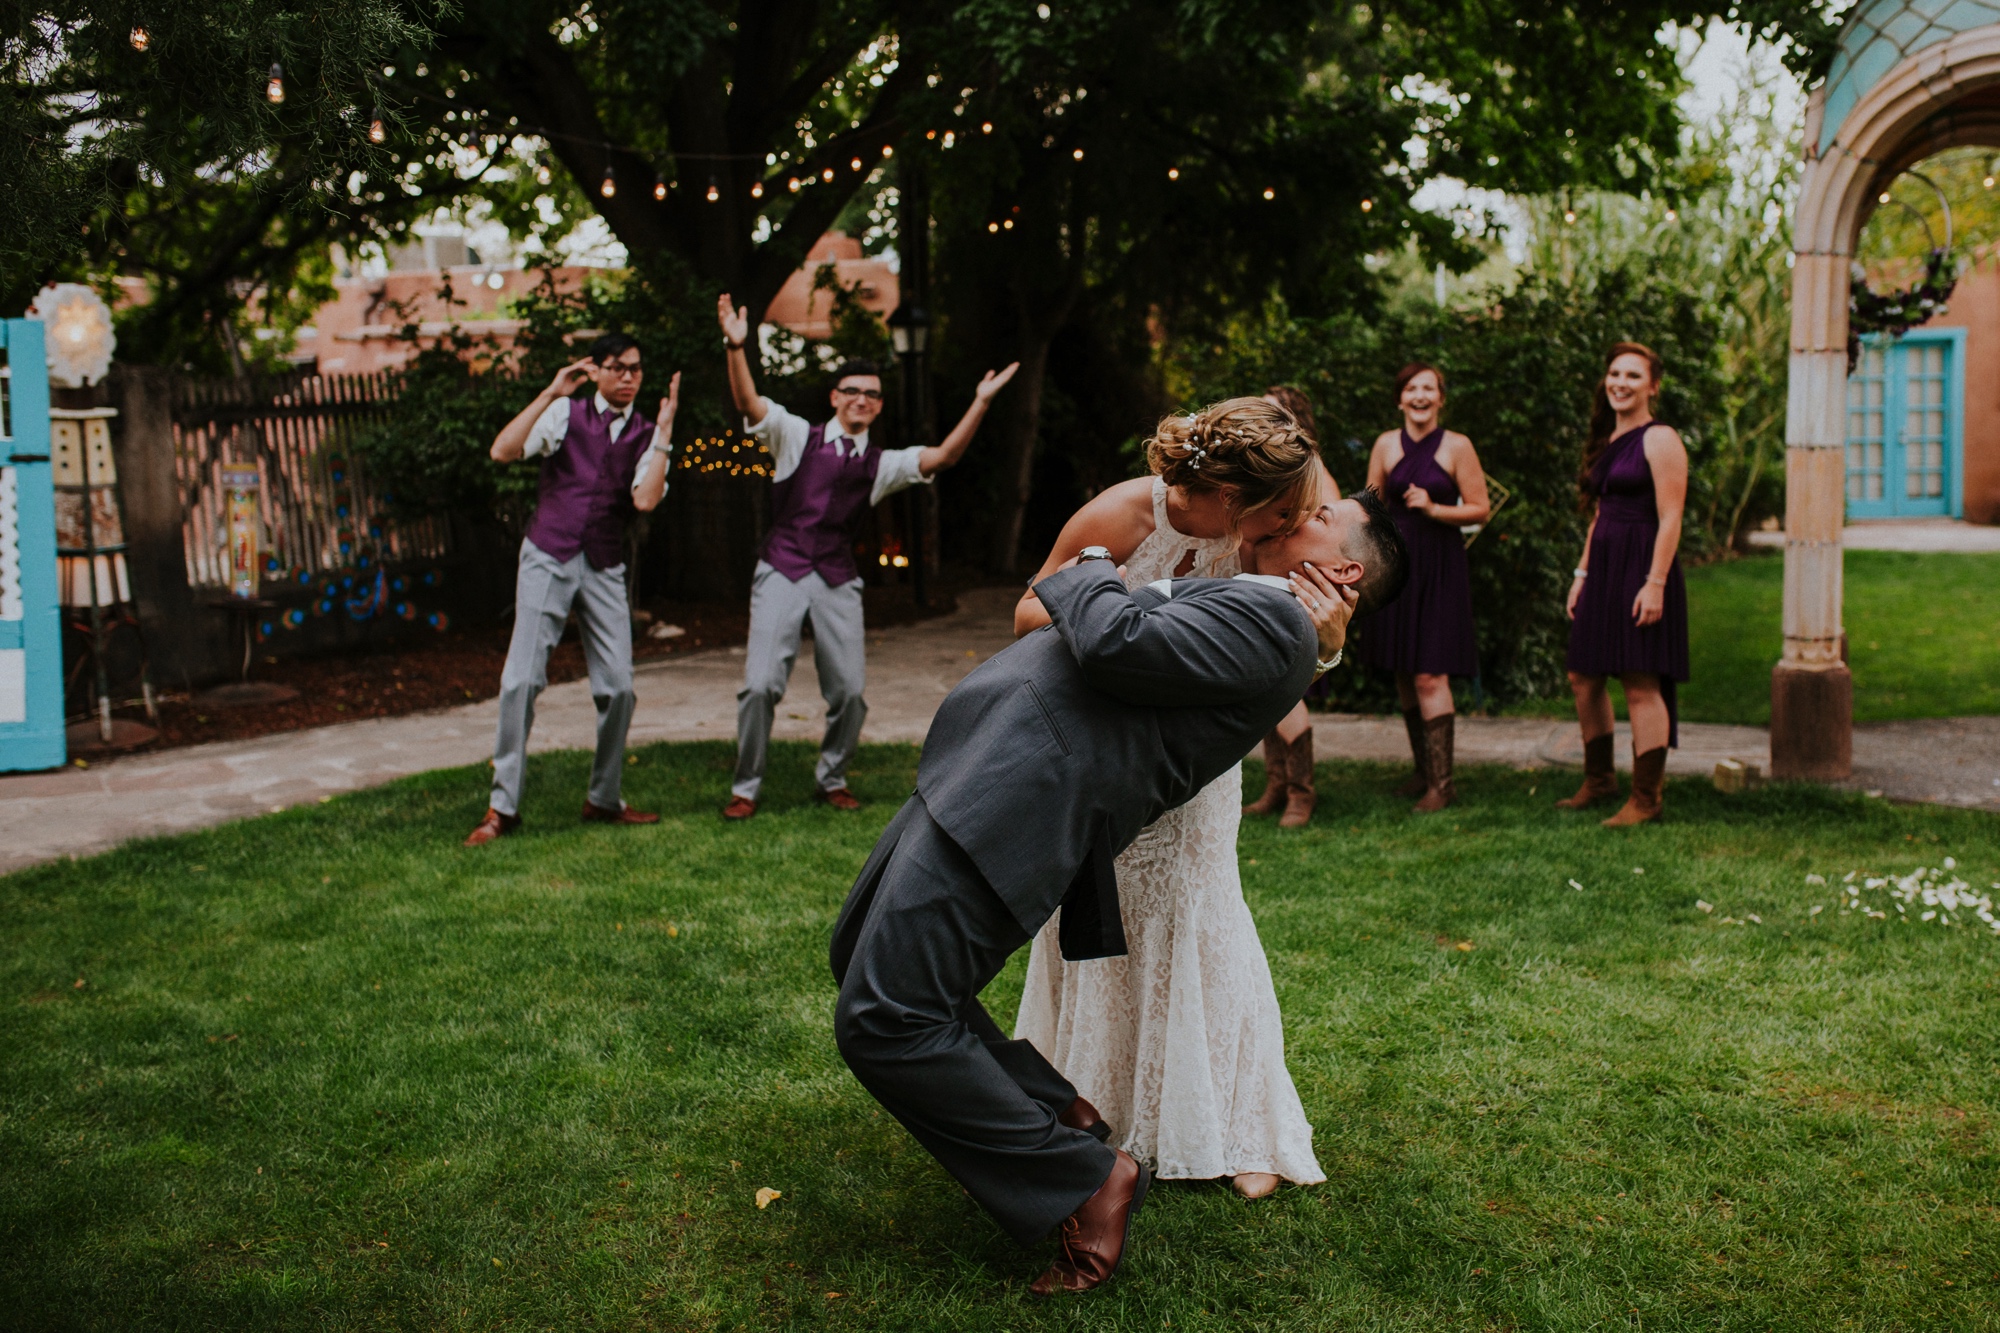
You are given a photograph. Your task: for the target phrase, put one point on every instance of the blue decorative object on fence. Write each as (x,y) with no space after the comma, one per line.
(31,716)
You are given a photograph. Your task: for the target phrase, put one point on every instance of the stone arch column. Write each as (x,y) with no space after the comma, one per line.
(1932,100)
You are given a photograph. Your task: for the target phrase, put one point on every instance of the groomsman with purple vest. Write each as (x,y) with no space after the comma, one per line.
(601,461)
(827,476)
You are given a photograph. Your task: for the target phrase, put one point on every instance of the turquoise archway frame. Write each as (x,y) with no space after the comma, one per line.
(31,716)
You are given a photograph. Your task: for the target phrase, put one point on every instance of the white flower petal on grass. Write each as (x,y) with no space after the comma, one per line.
(1574,885)
(1848,878)
(1815,879)
(1816,910)
(1638,870)
(1929,916)
(1754,917)
(1701,906)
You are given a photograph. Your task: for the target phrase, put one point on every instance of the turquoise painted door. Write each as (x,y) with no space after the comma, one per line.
(31,720)
(1905,426)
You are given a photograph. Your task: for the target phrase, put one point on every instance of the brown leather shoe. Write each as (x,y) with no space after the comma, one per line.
(1093,1237)
(1277,765)
(840,798)
(624,814)
(1600,775)
(1419,781)
(1080,1114)
(1300,794)
(1649,781)
(495,825)
(739,807)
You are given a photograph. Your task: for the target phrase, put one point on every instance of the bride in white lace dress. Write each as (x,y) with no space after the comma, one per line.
(1179,1045)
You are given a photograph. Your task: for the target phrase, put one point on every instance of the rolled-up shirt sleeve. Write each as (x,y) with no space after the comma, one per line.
(784,434)
(551,428)
(900,468)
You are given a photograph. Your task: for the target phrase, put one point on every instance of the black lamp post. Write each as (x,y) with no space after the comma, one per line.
(910,332)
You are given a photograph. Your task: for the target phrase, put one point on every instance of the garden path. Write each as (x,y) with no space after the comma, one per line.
(75,812)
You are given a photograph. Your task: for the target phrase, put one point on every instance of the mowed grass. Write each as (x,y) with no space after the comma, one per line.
(325,1070)
(1923,635)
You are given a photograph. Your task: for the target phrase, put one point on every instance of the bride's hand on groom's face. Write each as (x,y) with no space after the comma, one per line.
(1330,606)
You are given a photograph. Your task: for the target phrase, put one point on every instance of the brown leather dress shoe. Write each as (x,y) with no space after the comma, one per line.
(495,825)
(840,798)
(624,814)
(1080,1114)
(739,807)
(1093,1237)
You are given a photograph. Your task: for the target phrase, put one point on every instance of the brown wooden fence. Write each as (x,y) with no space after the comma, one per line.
(318,511)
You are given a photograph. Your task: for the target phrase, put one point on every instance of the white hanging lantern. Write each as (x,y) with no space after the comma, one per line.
(76,333)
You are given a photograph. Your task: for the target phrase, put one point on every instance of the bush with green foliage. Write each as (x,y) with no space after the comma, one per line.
(1520,372)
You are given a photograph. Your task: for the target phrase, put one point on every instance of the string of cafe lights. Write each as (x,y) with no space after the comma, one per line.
(607,186)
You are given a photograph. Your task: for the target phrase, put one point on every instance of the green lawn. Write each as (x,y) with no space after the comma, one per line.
(1923,636)
(325,1070)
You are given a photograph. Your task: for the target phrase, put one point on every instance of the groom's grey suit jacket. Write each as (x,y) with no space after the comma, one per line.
(1049,758)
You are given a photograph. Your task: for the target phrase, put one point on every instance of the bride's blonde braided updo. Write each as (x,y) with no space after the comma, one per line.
(1250,445)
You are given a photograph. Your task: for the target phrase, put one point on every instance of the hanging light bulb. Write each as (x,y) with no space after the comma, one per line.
(887,151)
(1078,155)
(757,189)
(993,226)
(1270,193)
(1173,173)
(793,185)
(1882,198)
(274,88)
(713,193)
(660,188)
(855,165)
(542,174)
(1673,215)
(141,39)
(608,187)
(1569,217)
(827,175)
(1368,205)
(1988,182)
(377,132)
(986,127)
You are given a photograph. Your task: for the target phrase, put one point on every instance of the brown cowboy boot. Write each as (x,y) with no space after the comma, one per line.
(1600,776)
(1439,735)
(1276,761)
(1649,780)
(1300,794)
(1418,782)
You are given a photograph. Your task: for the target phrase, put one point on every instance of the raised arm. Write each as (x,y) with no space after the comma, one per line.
(742,384)
(1230,644)
(512,441)
(1116,518)
(938,457)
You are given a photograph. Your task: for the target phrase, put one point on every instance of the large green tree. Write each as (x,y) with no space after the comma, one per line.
(104,97)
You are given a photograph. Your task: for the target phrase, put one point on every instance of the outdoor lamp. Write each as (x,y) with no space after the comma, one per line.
(275,88)
(141,39)
(909,329)
(608,187)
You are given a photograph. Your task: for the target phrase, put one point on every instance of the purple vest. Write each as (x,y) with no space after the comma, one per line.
(586,492)
(813,512)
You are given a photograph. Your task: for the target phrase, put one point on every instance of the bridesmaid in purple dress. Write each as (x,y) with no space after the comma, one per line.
(1628,604)
(1433,482)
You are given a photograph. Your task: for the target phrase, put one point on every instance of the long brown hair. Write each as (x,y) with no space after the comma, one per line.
(1255,447)
(1604,419)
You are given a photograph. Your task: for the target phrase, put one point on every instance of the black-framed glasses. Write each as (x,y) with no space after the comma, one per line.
(872,395)
(622,369)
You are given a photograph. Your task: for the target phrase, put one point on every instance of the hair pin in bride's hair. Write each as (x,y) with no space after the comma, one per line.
(1197,455)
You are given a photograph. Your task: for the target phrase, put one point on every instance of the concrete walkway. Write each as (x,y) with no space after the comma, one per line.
(74,812)
(1926,535)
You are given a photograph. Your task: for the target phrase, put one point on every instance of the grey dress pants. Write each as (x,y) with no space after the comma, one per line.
(544,594)
(778,611)
(921,935)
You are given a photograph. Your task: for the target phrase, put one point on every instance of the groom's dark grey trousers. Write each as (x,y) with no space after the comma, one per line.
(921,935)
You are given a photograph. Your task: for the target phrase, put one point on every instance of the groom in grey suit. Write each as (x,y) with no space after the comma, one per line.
(1039,769)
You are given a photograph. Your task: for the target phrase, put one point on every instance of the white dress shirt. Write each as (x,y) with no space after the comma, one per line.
(784,433)
(551,428)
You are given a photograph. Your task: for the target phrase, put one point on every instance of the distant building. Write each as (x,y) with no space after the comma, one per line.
(804,311)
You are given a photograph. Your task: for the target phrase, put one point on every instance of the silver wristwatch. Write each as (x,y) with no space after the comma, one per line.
(1093,553)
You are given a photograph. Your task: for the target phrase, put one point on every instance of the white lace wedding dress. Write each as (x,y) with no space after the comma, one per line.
(1179,1044)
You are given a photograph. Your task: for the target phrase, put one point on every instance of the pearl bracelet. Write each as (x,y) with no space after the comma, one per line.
(1581,573)
(1331,662)
(1661,581)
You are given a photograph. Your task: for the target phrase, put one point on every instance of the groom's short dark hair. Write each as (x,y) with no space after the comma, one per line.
(1385,560)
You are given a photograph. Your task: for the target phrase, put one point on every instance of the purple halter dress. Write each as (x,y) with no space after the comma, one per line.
(1428,629)
(1603,641)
